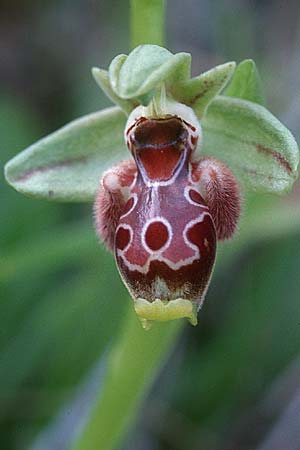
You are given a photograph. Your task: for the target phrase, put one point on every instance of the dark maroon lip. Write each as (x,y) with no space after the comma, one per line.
(160,146)
(159,132)
(142,119)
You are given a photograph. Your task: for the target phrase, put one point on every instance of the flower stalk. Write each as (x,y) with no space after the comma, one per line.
(147,22)
(132,364)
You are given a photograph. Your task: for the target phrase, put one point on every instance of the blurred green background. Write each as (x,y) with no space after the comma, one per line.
(230,381)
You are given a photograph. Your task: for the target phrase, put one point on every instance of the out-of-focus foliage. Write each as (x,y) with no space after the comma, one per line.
(61,301)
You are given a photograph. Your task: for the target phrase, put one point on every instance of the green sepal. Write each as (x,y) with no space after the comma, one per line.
(102,79)
(145,69)
(198,92)
(260,150)
(134,79)
(114,70)
(67,165)
(246,83)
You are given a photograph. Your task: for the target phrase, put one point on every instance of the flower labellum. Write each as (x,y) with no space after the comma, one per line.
(162,211)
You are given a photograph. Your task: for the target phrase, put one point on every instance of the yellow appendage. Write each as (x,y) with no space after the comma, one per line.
(165,310)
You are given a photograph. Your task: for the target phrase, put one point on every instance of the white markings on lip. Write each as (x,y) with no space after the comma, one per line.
(187,190)
(125,227)
(145,268)
(157,255)
(188,226)
(135,199)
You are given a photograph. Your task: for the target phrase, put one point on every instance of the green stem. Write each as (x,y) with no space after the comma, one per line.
(137,355)
(147,22)
(132,365)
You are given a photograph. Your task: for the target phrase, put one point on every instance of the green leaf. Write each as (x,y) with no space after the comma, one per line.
(246,83)
(46,322)
(67,165)
(102,79)
(198,92)
(69,244)
(256,146)
(146,67)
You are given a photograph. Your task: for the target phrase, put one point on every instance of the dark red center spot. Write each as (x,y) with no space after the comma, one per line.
(122,238)
(156,235)
(196,197)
